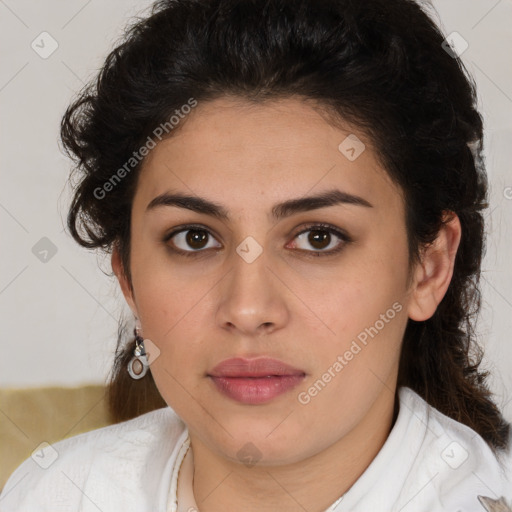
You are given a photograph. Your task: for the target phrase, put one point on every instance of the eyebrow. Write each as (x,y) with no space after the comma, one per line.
(279,211)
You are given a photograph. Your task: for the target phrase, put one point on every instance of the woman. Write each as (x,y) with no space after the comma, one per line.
(292,194)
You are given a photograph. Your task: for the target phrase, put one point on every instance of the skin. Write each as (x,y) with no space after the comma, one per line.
(303,310)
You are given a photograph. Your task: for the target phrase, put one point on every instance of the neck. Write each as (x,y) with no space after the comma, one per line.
(312,484)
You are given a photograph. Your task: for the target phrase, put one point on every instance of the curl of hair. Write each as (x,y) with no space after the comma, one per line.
(377,64)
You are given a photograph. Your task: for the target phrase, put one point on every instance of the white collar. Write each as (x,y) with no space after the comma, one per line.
(413,457)
(185,491)
(181,497)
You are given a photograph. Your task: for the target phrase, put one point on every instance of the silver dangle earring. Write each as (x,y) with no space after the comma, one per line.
(139,364)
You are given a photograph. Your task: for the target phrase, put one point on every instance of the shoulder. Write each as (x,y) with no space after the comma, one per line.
(456,464)
(108,466)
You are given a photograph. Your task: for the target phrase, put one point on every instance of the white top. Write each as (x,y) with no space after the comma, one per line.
(428,463)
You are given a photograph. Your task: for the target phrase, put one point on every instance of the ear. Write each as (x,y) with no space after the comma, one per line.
(434,272)
(118,268)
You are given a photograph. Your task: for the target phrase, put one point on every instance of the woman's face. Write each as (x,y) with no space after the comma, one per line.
(257,284)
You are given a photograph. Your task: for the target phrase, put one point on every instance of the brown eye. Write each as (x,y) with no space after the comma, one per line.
(323,239)
(192,239)
(318,239)
(196,239)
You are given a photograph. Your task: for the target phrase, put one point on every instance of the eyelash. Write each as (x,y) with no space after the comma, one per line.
(313,227)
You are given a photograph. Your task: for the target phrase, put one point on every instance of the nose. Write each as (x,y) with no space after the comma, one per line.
(251,298)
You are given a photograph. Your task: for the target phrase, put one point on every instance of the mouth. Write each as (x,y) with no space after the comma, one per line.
(254,381)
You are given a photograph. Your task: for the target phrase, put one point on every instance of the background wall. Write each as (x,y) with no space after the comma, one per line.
(59,309)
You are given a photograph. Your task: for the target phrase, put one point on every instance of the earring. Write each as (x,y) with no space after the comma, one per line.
(138,365)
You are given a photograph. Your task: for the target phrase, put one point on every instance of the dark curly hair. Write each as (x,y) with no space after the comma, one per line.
(378,64)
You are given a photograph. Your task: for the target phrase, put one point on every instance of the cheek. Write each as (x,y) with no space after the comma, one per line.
(172,312)
(354,365)
(174,322)
(365,310)
(165,295)
(364,288)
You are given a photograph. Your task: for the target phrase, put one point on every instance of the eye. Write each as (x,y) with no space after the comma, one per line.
(322,237)
(196,238)
(192,239)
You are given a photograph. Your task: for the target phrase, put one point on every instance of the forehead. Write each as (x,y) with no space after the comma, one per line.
(236,152)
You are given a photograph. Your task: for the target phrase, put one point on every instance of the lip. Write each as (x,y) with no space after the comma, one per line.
(255,381)
(260,367)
